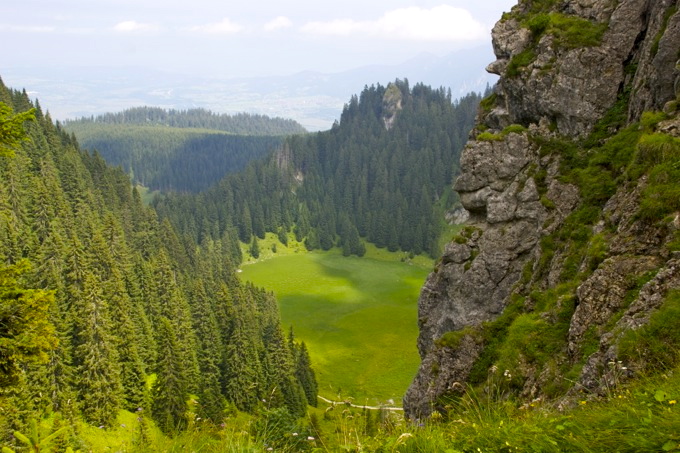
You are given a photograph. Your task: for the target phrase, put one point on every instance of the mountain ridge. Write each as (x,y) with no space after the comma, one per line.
(312,98)
(572,241)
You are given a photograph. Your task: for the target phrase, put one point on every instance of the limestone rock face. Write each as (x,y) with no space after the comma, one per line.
(515,197)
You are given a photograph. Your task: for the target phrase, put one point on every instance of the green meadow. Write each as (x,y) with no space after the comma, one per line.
(358,316)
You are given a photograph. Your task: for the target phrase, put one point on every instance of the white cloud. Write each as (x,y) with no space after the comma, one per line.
(225,27)
(441,23)
(278,23)
(131,26)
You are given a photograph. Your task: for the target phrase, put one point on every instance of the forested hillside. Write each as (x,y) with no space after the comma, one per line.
(238,124)
(172,150)
(382,173)
(105,308)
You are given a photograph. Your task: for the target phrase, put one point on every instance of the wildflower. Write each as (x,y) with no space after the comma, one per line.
(493,369)
(582,402)
(310,438)
(671,402)
(295,434)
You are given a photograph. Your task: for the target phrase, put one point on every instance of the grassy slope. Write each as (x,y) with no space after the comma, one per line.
(356,315)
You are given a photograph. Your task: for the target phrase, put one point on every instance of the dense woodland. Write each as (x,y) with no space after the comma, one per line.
(173,159)
(238,124)
(172,150)
(382,173)
(103,307)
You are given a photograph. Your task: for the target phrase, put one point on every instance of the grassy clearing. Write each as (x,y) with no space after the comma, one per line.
(356,315)
(146,194)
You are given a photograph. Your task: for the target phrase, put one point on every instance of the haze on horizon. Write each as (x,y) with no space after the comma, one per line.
(58,41)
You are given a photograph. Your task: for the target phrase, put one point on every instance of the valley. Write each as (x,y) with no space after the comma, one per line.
(195,287)
(356,315)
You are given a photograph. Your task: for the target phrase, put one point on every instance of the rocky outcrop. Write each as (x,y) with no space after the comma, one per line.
(550,87)
(391,105)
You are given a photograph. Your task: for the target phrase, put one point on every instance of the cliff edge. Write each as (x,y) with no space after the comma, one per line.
(571,178)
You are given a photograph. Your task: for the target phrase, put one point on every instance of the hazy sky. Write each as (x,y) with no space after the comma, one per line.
(225,39)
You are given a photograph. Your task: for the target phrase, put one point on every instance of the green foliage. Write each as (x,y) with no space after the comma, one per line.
(33,440)
(172,158)
(357,183)
(655,347)
(27,335)
(452,339)
(568,32)
(125,295)
(489,137)
(538,24)
(255,248)
(573,32)
(520,61)
(278,430)
(662,196)
(11,128)
(198,118)
(492,334)
(511,129)
(656,149)
(488,103)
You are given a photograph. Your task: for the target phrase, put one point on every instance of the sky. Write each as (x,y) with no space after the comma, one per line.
(245,38)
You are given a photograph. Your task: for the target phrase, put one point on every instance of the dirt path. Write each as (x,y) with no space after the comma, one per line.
(345,403)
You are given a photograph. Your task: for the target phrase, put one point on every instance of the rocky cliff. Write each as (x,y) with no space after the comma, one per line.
(571,180)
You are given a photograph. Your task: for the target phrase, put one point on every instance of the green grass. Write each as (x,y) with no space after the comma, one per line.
(356,315)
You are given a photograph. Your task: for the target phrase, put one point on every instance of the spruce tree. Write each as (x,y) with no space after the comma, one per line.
(170,390)
(94,356)
(211,401)
(305,374)
(28,335)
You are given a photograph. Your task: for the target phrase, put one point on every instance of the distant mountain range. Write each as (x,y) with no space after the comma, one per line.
(314,99)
